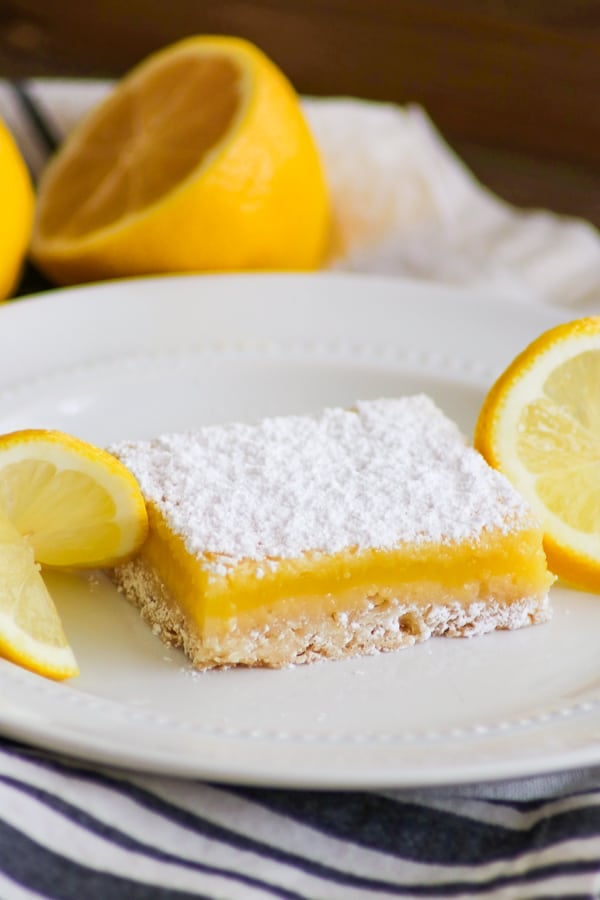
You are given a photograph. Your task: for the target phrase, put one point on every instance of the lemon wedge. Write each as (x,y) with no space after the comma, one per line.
(540,425)
(63,503)
(200,159)
(31,634)
(77,505)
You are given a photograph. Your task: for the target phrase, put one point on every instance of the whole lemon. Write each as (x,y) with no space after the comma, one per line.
(16,211)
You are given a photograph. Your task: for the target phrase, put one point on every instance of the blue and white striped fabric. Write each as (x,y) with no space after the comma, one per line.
(75,831)
(69,830)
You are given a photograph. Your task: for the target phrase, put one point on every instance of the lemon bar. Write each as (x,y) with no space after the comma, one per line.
(351,532)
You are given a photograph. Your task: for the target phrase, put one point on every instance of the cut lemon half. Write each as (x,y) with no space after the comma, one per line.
(540,425)
(76,505)
(31,634)
(200,159)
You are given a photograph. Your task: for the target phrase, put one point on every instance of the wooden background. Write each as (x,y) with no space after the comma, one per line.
(514,85)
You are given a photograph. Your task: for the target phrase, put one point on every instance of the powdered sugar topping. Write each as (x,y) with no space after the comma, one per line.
(387,472)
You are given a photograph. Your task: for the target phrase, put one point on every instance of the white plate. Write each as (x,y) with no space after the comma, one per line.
(132,359)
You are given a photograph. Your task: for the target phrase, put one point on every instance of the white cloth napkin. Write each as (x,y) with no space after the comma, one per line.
(403,202)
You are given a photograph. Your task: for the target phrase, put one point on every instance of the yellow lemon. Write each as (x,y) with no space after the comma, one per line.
(16,212)
(540,425)
(77,505)
(31,633)
(63,503)
(200,159)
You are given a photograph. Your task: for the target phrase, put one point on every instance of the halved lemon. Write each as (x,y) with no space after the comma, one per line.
(31,634)
(76,505)
(200,159)
(540,425)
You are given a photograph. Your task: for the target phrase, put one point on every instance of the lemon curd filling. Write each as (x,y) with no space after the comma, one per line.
(374,529)
(317,581)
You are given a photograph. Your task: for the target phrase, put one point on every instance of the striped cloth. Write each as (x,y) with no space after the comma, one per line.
(70,830)
(74,830)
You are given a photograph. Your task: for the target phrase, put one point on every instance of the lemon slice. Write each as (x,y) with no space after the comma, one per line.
(16,211)
(31,633)
(76,505)
(200,158)
(540,425)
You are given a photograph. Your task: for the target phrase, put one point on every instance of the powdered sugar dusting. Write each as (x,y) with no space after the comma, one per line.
(388,472)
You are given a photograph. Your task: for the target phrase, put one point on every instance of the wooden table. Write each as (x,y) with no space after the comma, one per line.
(514,87)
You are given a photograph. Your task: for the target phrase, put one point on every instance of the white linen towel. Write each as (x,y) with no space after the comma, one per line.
(403,202)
